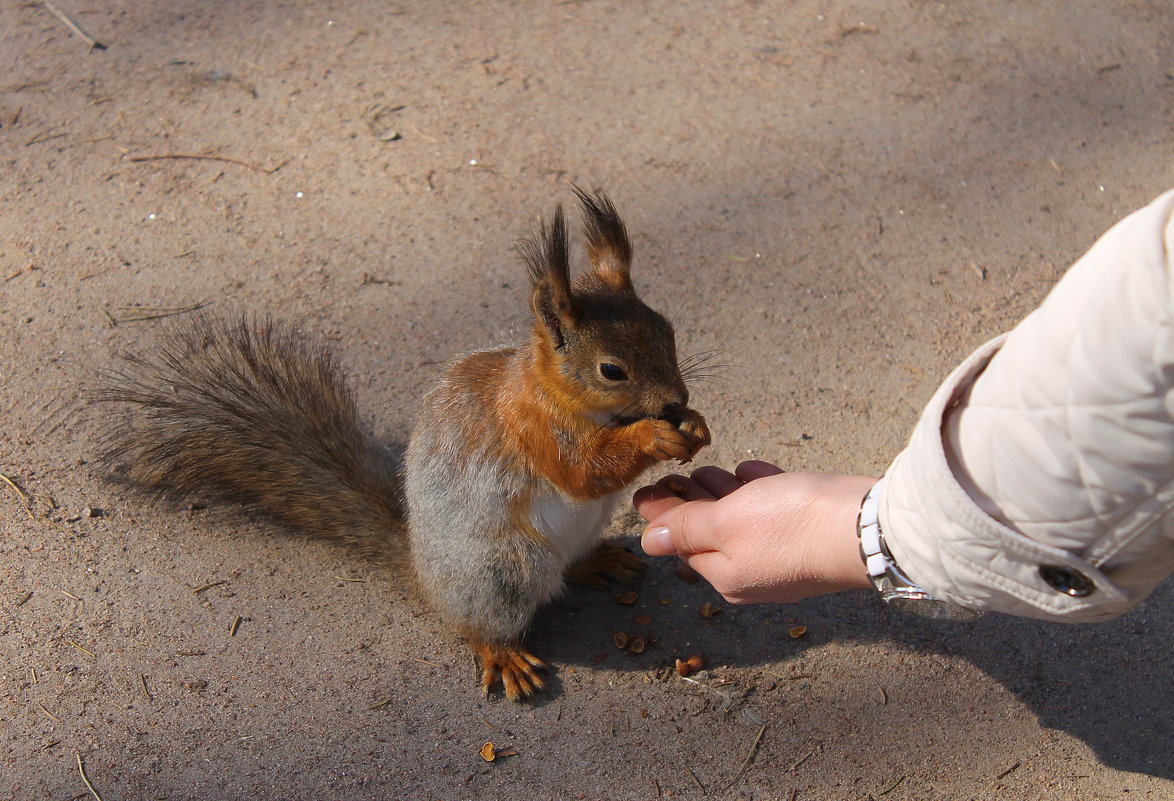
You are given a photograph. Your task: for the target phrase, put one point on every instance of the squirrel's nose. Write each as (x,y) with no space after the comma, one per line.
(672,411)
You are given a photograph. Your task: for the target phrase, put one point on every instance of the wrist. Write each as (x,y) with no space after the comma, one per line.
(845,567)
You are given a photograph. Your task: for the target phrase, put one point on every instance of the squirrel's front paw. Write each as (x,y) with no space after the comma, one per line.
(692,427)
(679,439)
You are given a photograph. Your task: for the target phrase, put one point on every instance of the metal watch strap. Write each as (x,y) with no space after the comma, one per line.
(895,588)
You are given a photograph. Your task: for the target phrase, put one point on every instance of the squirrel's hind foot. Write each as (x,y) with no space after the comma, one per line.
(514,666)
(609,560)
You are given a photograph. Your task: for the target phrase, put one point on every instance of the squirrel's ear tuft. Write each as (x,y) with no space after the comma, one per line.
(608,250)
(548,263)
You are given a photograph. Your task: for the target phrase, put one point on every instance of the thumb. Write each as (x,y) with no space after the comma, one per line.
(684,529)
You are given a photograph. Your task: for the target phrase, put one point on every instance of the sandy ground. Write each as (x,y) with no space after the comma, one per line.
(846,197)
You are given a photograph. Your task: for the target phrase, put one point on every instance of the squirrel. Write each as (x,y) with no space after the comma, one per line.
(515,463)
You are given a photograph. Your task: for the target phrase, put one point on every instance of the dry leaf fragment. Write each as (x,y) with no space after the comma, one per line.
(627,598)
(691,665)
(643,620)
(797,631)
(708,610)
(633,645)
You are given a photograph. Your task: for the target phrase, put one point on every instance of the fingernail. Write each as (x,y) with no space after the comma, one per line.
(658,539)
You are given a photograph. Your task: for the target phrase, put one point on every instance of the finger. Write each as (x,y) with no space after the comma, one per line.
(718,482)
(654,501)
(685,529)
(754,469)
(685,487)
(658,541)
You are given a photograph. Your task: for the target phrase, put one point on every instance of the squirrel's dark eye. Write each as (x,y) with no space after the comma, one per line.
(611,372)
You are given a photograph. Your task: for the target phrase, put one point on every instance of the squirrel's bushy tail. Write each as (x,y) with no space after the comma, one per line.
(250,410)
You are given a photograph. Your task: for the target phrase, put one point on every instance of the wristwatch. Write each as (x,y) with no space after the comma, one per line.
(895,588)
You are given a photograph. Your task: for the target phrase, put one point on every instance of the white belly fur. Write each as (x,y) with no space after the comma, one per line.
(572,527)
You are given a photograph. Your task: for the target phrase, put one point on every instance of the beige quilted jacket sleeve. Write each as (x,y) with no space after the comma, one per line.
(1040,479)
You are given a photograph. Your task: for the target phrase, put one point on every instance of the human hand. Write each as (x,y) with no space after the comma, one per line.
(759,534)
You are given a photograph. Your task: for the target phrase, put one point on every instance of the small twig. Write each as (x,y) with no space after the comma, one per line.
(1009,771)
(753,750)
(82,769)
(83,650)
(891,787)
(794,767)
(47,712)
(69,594)
(25,599)
(143,684)
(24,497)
(860,27)
(696,781)
(137,314)
(44,137)
(381,704)
(201,157)
(148,309)
(426,662)
(354,580)
(370,279)
(236,624)
(202,587)
(73,26)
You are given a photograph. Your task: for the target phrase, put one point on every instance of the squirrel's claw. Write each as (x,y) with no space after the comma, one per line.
(514,666)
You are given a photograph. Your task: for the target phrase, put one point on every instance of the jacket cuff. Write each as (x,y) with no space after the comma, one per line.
(943,540)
